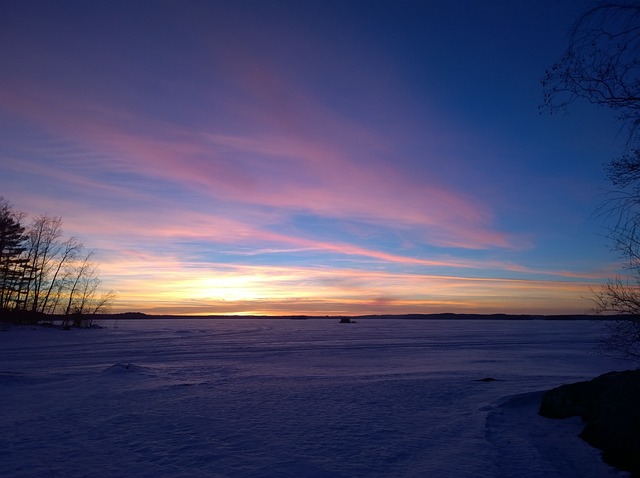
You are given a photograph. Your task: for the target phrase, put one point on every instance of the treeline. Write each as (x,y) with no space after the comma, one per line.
(44,276)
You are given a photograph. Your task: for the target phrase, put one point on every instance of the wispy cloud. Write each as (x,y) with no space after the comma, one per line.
(234,289)
(266,163)
(339,177)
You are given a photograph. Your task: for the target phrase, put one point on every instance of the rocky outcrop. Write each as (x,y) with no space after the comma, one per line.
(610,407)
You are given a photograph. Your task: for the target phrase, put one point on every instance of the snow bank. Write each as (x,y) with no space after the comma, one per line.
(531,445)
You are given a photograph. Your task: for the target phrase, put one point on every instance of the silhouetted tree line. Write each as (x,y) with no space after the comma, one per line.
(44,276)
(601,65)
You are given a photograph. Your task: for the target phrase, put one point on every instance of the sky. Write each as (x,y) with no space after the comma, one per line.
(309,157)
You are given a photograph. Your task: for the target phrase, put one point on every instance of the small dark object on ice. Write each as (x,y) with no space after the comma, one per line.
(487,379)
(608,404)
(347,320)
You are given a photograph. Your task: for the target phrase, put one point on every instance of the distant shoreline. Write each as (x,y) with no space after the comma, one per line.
(442,316)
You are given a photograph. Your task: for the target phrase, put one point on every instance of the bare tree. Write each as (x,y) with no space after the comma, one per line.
(87,291)
(101,304)
(82,271)
(67,253)
(43,246)
(623,299)
(601,65)
(83,299)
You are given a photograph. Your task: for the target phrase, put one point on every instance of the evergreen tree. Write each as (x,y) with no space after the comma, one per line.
(12,247)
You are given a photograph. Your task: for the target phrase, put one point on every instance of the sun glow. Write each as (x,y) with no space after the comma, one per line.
(228,288)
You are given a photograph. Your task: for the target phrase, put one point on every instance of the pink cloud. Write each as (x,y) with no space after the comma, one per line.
(222,230)
(338,177)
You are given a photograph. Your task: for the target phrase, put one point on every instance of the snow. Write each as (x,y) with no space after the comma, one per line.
(295,398)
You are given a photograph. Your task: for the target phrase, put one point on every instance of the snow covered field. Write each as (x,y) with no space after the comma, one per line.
(294,398)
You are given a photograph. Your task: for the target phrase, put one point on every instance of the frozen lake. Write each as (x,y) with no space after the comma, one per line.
(295,398)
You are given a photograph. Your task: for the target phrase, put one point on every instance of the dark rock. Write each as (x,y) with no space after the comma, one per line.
(610,407)
(487,379)
(347,320)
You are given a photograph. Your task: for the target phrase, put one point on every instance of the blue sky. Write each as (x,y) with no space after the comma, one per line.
(310,157)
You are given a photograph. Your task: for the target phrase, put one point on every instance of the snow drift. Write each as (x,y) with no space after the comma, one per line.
(313,398)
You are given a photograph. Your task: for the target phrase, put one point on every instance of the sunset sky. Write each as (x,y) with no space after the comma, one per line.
(309,157)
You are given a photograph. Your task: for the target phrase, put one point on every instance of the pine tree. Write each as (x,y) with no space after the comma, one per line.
(12,247)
